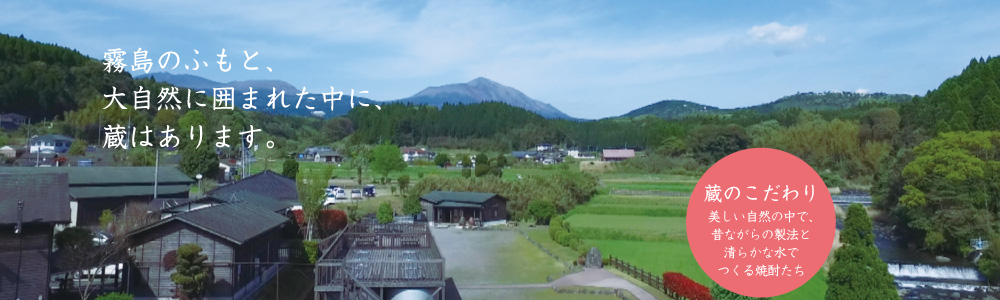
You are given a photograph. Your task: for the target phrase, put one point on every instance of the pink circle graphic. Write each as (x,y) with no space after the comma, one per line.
(760,222)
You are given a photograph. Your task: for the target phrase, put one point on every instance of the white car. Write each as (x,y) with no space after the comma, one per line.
(341,194)
(331,198)
(356,194)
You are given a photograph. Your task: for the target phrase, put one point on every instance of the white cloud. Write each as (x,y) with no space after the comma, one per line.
(775,33)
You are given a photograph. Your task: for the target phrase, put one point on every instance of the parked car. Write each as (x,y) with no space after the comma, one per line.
(333,189)
(355,194)
(331,198)
(369,191)
(341,194)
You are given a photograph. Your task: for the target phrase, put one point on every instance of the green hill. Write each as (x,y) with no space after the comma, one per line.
(674,109)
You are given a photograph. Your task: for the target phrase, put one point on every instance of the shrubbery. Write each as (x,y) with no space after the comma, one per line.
(311,249)
(565,189)
(679,286)
(560,232)
(115,296)
(328,222)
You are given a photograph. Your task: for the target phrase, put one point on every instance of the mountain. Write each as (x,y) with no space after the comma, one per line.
(670,109)
(482,90)
(263,89)
(673,109)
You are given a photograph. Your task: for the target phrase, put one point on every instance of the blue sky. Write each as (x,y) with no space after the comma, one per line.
(589,59)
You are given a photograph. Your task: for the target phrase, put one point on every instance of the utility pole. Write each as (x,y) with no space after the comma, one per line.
(156,173)
(20,247)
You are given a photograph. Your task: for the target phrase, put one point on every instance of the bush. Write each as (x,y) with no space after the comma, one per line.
(466,173)
(328,222)
(290,168)
(542,211)
(684,287)
(385,214)
(115,296)
(561,235)
(311,249)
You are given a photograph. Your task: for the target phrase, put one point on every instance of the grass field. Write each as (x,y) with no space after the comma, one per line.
(647,230)
(493,258)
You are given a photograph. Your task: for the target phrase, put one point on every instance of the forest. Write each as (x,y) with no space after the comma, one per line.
(932,162)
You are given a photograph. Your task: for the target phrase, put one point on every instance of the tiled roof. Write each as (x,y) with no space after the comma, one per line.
(265,183)
(236,222)
(438,197)
(45,196)
(262,201)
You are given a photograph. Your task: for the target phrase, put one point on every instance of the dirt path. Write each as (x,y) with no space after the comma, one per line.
(602,278)
(589,277)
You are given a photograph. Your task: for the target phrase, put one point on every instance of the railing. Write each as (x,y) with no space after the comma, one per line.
(653,280)
(338,271)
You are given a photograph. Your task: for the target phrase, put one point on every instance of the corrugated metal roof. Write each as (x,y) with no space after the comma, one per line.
(89,192)
(110,175)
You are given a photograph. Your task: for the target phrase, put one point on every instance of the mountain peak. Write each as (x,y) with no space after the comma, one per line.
(482,81)
(481,90)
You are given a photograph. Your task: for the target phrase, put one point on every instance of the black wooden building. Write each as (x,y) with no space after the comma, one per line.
(454,207)
(242,242)
(25,254)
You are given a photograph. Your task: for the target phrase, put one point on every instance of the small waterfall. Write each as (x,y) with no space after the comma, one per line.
(910,284)
(936,272)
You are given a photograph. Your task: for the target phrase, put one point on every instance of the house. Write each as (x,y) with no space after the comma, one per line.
(411,154)
(310,153)
(11,151)
(242,242)
(25,249)
(50,143)
(328,156)
(543,147)
(12,121)
(483,209)
(368,260)
(579,155)
(94,189)
(267,183)
(617,154)
(227,169)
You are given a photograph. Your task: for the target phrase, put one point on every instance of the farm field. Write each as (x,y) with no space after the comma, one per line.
(649,231)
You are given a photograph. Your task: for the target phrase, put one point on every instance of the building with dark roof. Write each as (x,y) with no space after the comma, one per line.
(171,206)
(12,121)
(454,207)
(95,189)
(25,253)
(241,240)
(267,183)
